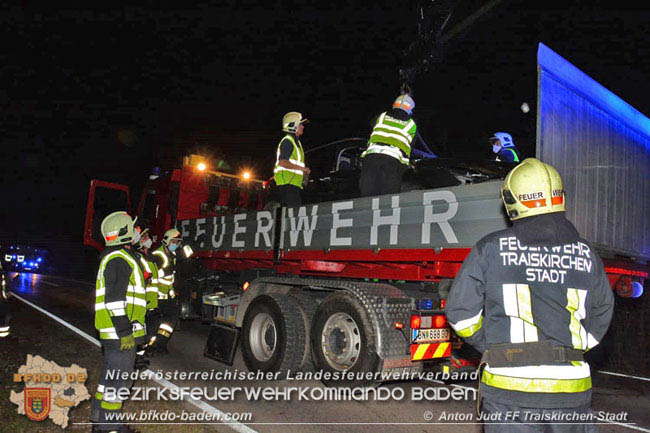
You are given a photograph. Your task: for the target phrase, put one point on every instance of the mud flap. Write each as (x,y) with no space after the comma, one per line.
(222,343)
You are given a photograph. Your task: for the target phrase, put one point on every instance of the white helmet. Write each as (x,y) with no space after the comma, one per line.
(404,102)
(291,120)
(504,138)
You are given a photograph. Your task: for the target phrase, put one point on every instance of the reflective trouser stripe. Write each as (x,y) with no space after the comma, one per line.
(536,385)
(4,334)
(166,327)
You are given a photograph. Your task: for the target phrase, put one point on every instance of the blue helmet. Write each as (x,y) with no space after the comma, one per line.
(504,138)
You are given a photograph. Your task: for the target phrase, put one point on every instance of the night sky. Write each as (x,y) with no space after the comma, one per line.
(108,93)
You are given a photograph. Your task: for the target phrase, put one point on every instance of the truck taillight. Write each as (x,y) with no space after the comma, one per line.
(439,321)
(415,322)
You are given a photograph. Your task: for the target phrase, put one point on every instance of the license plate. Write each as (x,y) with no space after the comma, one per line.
(420,335)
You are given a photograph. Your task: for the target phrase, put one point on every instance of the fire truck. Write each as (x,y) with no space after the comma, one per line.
(359,285)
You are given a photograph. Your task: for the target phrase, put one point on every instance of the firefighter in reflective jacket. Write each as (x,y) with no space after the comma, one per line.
(532,298)
(290,169)
(165,257)
(4,306)
(504,147)
(389,149)
(120,307)
(150,269)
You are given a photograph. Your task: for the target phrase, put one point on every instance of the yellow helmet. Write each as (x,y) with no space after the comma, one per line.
(291,120)
(117,228)
(532,188)
(169,235)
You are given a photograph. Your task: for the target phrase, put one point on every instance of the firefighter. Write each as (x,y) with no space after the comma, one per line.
(120,308)
(532,298)
(4,306)
(165,257)
(290,171)
(389,149)
(150,269)
(504,147)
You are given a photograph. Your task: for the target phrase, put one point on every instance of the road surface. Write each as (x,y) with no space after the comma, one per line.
(73,301)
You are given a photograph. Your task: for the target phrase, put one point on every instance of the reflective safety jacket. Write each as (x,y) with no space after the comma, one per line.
(392,137)
(120,304)
(166,263)
(151,268)
(536,281)
(508,154)
(289,176)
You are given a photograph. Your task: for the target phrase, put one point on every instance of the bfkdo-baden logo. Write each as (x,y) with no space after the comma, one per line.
(37,403)
(50,391)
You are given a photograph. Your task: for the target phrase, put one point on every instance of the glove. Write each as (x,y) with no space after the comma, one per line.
(127,343)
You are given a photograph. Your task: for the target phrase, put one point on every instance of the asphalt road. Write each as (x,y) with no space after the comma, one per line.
(73,301)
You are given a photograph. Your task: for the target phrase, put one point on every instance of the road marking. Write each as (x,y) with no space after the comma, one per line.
(61,321)
(50,284)
(237,426)
(647,379)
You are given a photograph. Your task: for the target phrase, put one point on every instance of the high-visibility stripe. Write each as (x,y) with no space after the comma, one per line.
(162,296)
(421,352)
(137,301)
(526,312)
(468,327)
(115,304)
(166,327)
(105,335)
(517,306)
(151,289)
(576,299)
(591,341)
(135,289)
(164,257)
(534,203)
(4,329)
(100,388)
(535,384)
(111,406)
(4,334)
(386,150)
(100,292)
(117,312)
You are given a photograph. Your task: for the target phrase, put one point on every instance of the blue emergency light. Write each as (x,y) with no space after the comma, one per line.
(425,304)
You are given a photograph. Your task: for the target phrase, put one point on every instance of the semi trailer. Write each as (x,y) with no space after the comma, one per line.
(359,285)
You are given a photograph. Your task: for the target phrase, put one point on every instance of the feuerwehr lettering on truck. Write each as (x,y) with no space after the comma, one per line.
(450,217)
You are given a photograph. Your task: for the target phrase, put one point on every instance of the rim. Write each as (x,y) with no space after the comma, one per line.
(263,337)
(341,341)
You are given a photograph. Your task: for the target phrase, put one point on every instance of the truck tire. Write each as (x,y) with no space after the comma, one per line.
(342,339)
(308,307)
(273,334)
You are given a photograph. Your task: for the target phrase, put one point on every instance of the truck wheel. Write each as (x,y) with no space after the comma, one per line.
(308,307)
(342,339)
(273,334)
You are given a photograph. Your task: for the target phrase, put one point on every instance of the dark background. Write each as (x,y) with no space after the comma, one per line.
(89,92)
